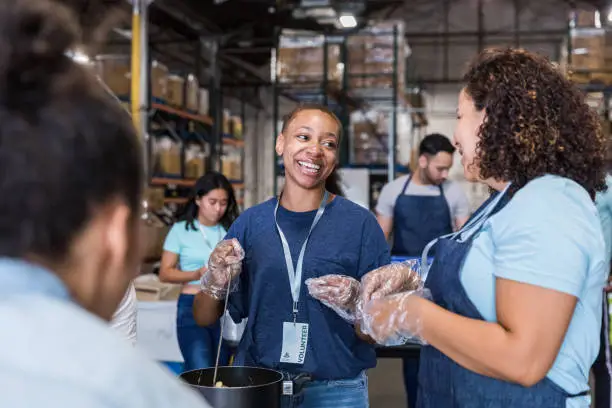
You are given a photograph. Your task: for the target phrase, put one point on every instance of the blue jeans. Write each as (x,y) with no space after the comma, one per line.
(198,344)
(351,393)
(411,379)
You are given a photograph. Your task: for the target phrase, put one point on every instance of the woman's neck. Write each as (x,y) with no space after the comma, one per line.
(297,199)
(203,221)
(497,185)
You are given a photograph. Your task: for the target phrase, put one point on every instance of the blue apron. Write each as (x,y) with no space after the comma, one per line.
(417,220)
(444,383)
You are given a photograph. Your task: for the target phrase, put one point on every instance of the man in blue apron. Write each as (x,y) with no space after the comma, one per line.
(419,207)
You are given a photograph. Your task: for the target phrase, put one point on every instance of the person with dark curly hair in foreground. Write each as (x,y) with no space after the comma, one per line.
(513,312)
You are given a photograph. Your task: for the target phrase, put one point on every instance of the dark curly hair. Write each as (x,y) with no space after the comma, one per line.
(537,122)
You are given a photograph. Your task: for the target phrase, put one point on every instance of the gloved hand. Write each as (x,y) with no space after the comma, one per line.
(393,320)
(224,264)
(339,293)
(390,279)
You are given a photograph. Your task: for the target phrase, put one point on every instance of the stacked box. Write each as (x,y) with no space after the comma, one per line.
(237,129)
(166,156)
(115,72)
(192,90)
(159,80)
(300,59)
(369,138)
(195,160)
(372,52)
(176,91)
(203,103)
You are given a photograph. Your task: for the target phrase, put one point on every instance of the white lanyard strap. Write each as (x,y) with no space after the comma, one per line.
(206,238)
(295,274)
(464,233)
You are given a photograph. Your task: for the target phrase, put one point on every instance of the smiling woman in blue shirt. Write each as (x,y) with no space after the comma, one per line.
(307,233)
(210,211)
(517,292)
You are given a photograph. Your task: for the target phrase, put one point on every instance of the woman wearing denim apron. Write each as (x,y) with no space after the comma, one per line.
(211,209)
(288,244)
(516,294)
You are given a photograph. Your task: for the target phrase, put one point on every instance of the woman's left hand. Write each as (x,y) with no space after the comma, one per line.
(395,319)
(339,293)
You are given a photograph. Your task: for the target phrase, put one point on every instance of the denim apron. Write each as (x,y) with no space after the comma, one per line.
(444,383)
(417,220)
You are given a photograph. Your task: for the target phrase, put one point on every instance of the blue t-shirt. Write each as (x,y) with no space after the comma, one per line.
(191,246)
(604,208)
(548,235)
(346,241)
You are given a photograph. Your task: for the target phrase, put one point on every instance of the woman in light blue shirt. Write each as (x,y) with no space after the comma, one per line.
(602,368)
(210,211)
(517,292)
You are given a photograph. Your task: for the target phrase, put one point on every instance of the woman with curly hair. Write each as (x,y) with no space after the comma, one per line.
(516,294)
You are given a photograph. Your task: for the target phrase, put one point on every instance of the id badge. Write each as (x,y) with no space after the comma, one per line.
(295,342)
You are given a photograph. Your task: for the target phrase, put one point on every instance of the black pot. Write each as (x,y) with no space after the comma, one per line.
(247,387)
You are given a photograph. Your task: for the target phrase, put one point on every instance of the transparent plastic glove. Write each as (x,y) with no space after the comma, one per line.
(394,320)
(224,264)
(339,293)
(390,279)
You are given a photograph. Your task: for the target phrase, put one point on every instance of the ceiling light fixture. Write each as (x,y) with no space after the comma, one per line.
(347,21)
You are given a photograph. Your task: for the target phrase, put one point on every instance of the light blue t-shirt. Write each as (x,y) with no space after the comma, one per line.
(193,246)
(55,354)
(604,208)
(548,235)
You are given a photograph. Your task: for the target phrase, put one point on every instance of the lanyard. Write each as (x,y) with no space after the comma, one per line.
(295,274)
(206,238)
(464,233)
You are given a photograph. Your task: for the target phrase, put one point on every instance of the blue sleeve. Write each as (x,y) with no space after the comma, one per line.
(173,239)
(604,208)
(374,248)
(238,303)
(544,239)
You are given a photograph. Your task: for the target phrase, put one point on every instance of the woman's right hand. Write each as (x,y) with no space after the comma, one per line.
(224,264)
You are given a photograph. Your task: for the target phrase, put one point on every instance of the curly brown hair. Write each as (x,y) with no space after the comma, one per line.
(537,122)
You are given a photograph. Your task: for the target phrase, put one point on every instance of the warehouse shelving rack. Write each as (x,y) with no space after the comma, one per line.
(342,98)
(149,113)
(595,83)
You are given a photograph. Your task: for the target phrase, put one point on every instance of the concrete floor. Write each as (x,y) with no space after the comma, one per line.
(386,384)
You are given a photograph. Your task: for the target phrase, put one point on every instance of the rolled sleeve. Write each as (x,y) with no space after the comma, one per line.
(543,244)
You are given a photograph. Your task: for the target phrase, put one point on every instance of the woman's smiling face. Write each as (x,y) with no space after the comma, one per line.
(309,147)
(466,136)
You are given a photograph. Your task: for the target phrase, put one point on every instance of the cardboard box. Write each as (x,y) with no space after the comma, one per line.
(154,235)
(301,59)
(203,103)
(227,122)
(176,91)
(159,80)
(154,196)
(167,156)
(583,18)
(237,130)
(195,161)
(114,71)
(150,289)
(192,90)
